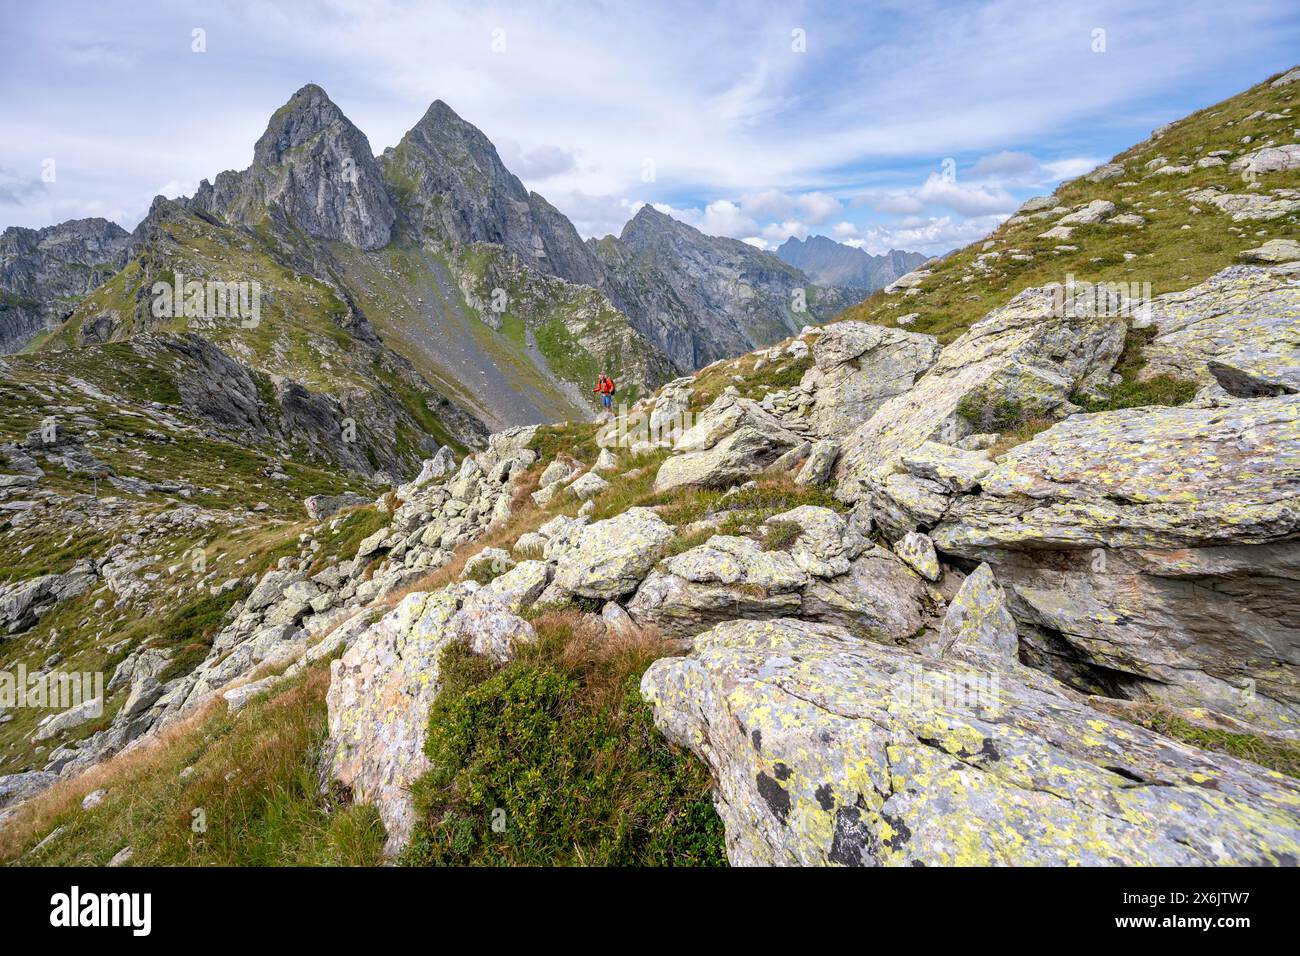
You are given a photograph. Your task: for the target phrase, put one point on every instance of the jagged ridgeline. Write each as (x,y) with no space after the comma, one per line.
(998,569)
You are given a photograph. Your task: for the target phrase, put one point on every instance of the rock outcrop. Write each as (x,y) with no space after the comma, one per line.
(1028,356)
(828,750)
(1155,546)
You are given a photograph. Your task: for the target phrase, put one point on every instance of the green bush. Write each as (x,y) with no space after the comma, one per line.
(553,759)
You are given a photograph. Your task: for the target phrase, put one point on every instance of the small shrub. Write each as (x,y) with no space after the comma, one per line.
(553,759)
(780,535)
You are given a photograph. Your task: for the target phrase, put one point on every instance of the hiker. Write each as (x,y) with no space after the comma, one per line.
(605,386)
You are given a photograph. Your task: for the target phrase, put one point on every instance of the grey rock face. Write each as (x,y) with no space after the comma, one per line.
(44,273)
(313,168)
(857,368)
(1239,328)
(609,558)
(831,751)
(1029,354)
(452,183)
(702,298)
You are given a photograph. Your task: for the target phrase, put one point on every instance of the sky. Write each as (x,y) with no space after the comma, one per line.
(912,125)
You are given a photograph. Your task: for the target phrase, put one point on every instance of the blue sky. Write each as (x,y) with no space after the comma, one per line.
(714,113)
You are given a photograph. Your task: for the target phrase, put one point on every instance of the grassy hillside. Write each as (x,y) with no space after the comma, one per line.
(1176,247)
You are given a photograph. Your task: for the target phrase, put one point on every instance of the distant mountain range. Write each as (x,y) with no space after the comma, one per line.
(832,263)
(430,262)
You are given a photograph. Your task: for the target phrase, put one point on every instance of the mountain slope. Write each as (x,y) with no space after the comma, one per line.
(828,262)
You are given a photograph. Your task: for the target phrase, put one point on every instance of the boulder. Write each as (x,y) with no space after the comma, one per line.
(726,577)
(557,472)
(66,720)
(1270,159)
(734,459)
(821,460)
(979,626)
(728,414)
(381,690)
(489,561)
(17,787)
(1153,550)
(588,486)
(830,751)
(880,599)
(520,587)
(1239,328)
(1273,251)
(1096,211)
(918,551)
(610,557)
(24,602)
(1026,357)
(441,465)
(859,366)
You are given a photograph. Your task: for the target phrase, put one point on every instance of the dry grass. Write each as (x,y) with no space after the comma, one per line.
(38,816)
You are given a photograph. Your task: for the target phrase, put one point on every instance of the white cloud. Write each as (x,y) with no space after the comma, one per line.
(818,208)
(724,218)
(934,235)
(538,163)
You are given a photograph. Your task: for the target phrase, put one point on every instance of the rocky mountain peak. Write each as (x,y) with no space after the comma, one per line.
(313,169)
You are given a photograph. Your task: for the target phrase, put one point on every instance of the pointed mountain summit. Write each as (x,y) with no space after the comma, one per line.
(312,170)
(452,184)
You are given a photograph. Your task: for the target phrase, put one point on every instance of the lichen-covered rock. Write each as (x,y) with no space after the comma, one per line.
(732,460)
(826,542)
(609,558)
(1029,356)
(728,414)
(1157,543)
(879,598)
(828,750)
(1239,328)
(857,367)
(521,586)
(382,687)
(1273,251)
(558,471)
(588,486)
(487,563)
(979,626)
(817,468)
(918,551)
(724,578)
